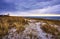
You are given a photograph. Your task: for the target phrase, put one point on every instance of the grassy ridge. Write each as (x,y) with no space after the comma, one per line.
(8,22)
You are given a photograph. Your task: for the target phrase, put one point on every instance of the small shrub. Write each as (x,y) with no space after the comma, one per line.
(50,29)
(20,29)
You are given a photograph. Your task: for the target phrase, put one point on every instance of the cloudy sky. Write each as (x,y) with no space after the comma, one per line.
(29,7)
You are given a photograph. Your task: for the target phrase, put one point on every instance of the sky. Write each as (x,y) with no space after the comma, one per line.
(29,7)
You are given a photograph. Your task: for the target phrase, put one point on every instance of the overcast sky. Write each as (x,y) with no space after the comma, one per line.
(24,7)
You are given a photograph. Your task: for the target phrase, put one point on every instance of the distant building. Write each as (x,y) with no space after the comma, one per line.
(4,15)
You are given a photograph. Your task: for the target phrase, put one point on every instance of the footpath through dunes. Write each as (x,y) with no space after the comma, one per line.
(32,31)
(23,28)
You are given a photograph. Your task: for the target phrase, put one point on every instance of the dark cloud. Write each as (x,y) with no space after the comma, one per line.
(26,5)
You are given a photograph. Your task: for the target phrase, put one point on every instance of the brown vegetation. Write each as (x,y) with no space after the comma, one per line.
(7,23)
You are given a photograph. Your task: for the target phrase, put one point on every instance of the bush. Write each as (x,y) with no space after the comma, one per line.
(20,29)
(50,29)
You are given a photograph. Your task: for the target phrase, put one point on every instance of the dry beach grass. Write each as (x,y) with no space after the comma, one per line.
(8,22)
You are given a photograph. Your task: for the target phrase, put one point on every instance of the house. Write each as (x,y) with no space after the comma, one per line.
(4,15)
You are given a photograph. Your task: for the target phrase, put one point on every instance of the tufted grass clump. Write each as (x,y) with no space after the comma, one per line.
(50,29)
(20,29)
(9,22)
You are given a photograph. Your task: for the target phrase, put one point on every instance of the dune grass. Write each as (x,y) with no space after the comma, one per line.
(7,23)
(51,29)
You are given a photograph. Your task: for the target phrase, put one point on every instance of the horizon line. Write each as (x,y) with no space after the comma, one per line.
(37,15)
